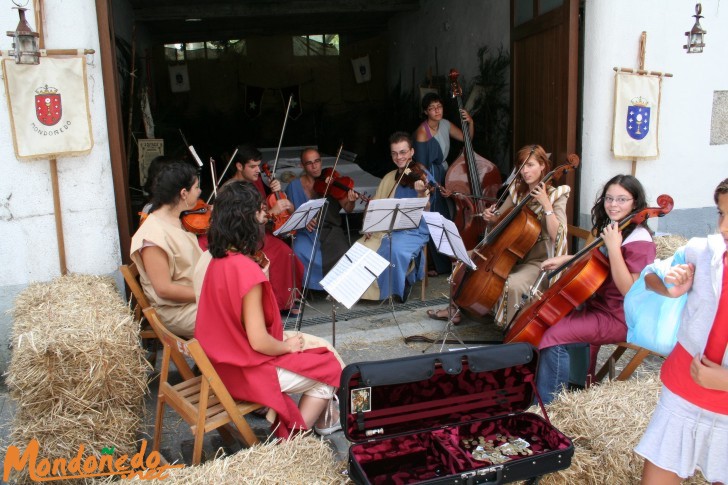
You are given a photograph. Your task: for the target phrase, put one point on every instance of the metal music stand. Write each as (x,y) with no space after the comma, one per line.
(447,241)
(388,216)
(300,218)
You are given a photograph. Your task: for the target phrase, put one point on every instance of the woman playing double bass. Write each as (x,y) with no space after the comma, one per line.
(548,203)
(601,319)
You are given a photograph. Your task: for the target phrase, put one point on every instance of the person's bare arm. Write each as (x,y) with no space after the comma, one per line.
(258,336)
(156,266)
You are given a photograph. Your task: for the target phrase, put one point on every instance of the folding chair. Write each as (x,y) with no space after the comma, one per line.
(140,303)
(608,368)
(202,401)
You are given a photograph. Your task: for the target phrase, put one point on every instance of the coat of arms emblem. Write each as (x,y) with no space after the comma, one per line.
(638,118)
(48,105)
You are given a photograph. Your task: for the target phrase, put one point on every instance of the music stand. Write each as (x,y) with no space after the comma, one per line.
(388,216)
(350,277)
(300,218)
(447,241)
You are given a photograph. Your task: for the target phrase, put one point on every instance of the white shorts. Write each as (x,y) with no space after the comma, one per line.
(292,383)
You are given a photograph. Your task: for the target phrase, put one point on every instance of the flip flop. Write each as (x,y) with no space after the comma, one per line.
(434,315)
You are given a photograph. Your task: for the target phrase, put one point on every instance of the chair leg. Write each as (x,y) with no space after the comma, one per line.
(633,364)
(245,431)
(605,368)
(158,422)
(425,279)
(200,427)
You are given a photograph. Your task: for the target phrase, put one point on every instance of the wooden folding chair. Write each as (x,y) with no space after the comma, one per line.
(608,367)
(140,303)
(203,401)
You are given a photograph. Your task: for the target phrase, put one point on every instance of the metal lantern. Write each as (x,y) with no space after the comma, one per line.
(695,42)
(25,41)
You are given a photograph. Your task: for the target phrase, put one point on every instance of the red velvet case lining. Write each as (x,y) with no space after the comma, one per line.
(482,401)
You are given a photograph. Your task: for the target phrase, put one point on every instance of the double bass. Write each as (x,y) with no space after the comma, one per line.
(471,178)
(515,233)
(586,272)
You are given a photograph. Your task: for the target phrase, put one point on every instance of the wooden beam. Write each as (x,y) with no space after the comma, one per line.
(184,10)
(119,169)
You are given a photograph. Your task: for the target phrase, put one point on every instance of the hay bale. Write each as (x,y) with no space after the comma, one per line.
(606,422)
(77,372)
(667,245)
(302,459)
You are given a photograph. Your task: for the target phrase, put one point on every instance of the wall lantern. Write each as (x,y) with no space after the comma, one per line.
(25,41)
(695,36)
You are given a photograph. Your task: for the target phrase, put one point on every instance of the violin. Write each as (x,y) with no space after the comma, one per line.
(338,188)
(416,171)
(260,259)
(283,216)
(586,272)
(197,219)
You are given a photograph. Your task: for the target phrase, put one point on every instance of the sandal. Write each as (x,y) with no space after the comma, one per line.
(442,314)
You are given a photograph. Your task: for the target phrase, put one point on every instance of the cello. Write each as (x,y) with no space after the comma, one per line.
(472,178)
(509,241)
(586,272)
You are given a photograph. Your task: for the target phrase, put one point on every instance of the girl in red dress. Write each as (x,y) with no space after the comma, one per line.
(239,323)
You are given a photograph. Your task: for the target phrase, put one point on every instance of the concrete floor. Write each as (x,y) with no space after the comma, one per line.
(369,331)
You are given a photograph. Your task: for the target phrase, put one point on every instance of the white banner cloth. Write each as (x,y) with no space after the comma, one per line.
(636,116)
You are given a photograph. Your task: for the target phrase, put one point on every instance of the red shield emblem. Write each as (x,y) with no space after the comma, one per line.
(48,108)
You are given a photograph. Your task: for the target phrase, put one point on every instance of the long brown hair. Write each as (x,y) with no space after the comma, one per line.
(537,153)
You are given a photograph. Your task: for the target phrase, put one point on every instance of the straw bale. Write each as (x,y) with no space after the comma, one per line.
(302,459)
(77,372)
(605,423)
(667,245)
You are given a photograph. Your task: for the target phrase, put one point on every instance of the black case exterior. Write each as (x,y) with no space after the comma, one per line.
(434,399)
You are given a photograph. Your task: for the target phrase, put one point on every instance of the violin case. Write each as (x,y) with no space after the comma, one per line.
(451,417)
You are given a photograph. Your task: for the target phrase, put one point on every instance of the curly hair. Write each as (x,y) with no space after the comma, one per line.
(599,216)
(169,181)
(233,223)
(721,189)
(430,98)
(537,153)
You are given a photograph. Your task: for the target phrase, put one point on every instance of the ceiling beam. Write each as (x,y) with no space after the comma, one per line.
(162,10)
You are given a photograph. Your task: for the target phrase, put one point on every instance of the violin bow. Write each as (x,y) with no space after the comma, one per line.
(214,185)
(336,162)
(191,149)
(227,167)
(280,140)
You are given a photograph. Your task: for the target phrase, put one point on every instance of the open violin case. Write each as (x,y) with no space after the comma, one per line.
(451,417)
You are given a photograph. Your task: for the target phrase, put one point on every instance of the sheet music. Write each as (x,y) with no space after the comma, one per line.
(301,216)
(407,214)
(447,239)
(353,274)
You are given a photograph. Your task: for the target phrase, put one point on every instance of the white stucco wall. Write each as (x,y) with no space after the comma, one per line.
(688,168)
(455,28)
(28,244)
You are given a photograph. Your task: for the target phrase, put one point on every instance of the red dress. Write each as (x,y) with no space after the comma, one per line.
(248,374)
(282,262)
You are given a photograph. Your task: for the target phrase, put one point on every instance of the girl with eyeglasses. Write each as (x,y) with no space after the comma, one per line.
(601,319)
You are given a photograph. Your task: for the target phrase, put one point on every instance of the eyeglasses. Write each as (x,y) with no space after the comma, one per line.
(401,153)
(608,199)
(311,162)
(437,107)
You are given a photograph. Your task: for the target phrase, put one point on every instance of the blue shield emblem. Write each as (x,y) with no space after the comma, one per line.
(638,121)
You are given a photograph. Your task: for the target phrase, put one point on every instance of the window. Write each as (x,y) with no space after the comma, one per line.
(211,49)
(316,45)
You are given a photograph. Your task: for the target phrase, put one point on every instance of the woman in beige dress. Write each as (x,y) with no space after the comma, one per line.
(165,253)
(549,205)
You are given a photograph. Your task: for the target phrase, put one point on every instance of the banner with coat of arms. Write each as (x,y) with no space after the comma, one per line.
(636,116)
(49,112)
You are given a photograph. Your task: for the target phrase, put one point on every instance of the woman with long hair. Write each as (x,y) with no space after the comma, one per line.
(601,319)
(239,323)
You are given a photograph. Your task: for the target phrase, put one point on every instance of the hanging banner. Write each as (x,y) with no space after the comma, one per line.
(149,149)
(362,73)
(636,116)
(253,100)
(179,80)
(49,113)
(296,109)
